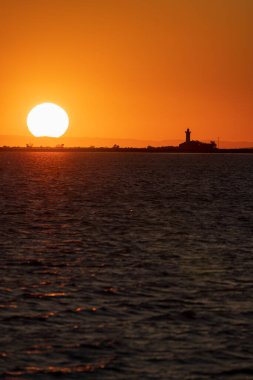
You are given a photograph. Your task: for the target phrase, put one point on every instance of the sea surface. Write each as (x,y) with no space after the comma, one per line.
(126,266)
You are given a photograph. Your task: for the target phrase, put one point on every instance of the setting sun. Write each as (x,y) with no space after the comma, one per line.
(47,120)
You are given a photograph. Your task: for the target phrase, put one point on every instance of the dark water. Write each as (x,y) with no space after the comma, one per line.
(126,266)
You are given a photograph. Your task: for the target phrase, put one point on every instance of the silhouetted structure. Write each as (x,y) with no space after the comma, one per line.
(195,146)
(187,135)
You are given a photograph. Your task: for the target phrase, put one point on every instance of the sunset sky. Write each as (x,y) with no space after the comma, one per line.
(130,69)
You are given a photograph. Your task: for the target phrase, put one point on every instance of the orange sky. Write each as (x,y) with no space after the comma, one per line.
(141,69)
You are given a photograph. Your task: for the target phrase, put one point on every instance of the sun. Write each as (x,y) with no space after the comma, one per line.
(47,120)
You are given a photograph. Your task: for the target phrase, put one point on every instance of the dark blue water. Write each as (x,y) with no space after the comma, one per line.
(126,266)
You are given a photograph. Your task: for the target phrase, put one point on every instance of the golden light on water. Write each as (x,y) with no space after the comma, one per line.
(47,120)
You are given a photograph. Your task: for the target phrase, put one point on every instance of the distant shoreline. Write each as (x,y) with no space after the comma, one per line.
(162,149)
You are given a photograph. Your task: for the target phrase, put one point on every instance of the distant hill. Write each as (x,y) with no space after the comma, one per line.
(106,142)
(82,141)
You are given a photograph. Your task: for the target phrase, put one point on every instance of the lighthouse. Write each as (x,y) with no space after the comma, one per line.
(187,135)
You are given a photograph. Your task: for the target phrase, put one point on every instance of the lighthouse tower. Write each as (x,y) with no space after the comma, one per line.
(187,135)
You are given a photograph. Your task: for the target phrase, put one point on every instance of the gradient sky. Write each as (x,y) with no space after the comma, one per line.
(143,69)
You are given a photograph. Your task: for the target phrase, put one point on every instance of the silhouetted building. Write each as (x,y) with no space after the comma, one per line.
(187,135)
(195,146)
